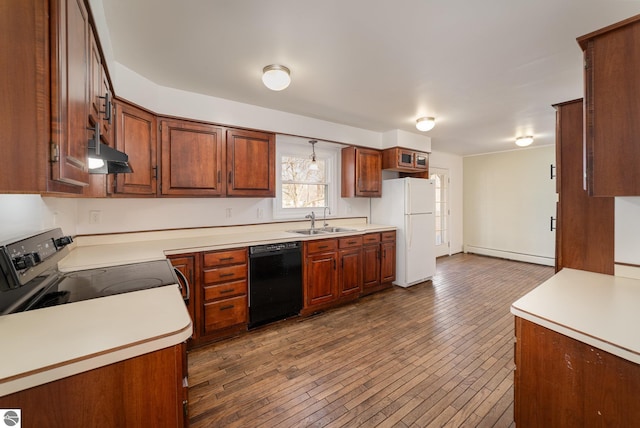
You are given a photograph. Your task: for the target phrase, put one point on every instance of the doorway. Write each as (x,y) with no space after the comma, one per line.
(442,210)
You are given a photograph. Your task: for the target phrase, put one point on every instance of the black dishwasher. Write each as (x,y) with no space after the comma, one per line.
(275,282)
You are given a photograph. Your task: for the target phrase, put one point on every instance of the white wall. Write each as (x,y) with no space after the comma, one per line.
(509,199)
(26,214)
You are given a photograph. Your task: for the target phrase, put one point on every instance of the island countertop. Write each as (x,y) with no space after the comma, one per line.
(600,310)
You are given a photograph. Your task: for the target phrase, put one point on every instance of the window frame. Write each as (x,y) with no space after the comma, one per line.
(303,150)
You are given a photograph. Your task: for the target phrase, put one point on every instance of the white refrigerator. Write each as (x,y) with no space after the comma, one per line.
(408,204)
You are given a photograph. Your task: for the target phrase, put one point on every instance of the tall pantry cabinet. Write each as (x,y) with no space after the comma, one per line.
(584,235)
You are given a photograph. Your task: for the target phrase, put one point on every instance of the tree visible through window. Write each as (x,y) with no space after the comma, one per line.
(303,187)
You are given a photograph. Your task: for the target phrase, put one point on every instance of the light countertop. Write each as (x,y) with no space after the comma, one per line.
(53,343)
(110,250)
(600,310)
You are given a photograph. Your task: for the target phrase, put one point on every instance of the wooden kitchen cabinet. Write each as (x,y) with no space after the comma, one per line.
(147,390)
(405,160)
(612,109)
(223,293)
(388,257)
(69,91)
(350,272)
(379,261)
(585,225)
(361,172)
(187,265)
(562,382)
(320,274)
(192,158)
(136,135)
(251,163)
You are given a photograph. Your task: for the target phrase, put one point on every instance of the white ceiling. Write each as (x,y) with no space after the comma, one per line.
(487,70)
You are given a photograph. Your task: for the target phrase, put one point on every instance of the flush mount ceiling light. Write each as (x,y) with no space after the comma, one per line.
(276,77)
(314,165)
(426,123)
(524,141)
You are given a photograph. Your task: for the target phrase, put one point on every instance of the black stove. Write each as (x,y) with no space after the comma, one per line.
(29,278)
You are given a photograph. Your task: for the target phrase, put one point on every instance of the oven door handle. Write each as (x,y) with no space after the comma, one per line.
(186,284)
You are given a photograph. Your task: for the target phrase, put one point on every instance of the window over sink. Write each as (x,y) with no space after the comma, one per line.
(299,188)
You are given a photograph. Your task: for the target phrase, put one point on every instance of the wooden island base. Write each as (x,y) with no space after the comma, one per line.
(562,382)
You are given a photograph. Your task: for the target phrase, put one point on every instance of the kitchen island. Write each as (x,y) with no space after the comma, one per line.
(577,352)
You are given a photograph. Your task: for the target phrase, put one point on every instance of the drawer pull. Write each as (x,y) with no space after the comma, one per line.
(231,290)
(323,246)
(226,259)
(352,242)
(224,275)
(224,308)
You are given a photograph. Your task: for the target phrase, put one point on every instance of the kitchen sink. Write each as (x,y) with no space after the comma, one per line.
(322,230)
(308,231)
(338,229)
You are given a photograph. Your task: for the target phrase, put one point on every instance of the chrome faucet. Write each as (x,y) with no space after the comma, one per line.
(312,216)
(325,216)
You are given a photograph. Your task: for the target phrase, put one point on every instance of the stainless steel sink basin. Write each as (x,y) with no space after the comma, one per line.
(322,230)
(338,229)
(308,231)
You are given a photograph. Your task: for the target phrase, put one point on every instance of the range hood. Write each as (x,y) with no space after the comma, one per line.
(104,159)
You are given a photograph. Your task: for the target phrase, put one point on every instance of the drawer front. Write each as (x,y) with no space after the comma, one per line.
(220,258)
(389,236)
(371,238)
(350,242)
(226,290)
(226,273)
(321,246)
(225,313)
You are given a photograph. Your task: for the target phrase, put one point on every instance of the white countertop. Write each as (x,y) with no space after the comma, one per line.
(101,251)
(600,310)
(52,343)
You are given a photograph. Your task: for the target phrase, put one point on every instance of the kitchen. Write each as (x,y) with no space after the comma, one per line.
(126,215)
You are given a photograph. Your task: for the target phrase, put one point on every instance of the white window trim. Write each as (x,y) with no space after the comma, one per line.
(330,156)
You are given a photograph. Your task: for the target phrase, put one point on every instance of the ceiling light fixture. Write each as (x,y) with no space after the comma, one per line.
(426,123)
(276,77)
(314,165)
(524,141)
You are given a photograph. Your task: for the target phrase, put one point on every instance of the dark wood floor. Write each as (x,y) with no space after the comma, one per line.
(436,354)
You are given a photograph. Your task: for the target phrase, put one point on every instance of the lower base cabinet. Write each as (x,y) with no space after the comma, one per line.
(379,261)
(562,382)
(145,391)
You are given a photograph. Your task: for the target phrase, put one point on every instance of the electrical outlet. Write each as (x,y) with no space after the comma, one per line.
(95,217)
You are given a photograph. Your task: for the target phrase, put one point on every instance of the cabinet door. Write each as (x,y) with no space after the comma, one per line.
(371,265)
(368,173)
(251,158)
(321,278)
(192,155)
(350,279)
(186,265)
(612,110)
(585,228)
(136,136)
(69,91)
(387,262)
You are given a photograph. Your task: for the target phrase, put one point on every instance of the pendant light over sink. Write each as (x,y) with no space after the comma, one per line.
(276,77)
(314,164)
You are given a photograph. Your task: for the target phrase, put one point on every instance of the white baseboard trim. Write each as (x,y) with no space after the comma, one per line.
(540,260)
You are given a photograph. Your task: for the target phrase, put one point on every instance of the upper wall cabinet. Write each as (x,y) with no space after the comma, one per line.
(612,109)
(251,162)
(69,91)
(361,172)
(136,135)
(404,160)
(192,159)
